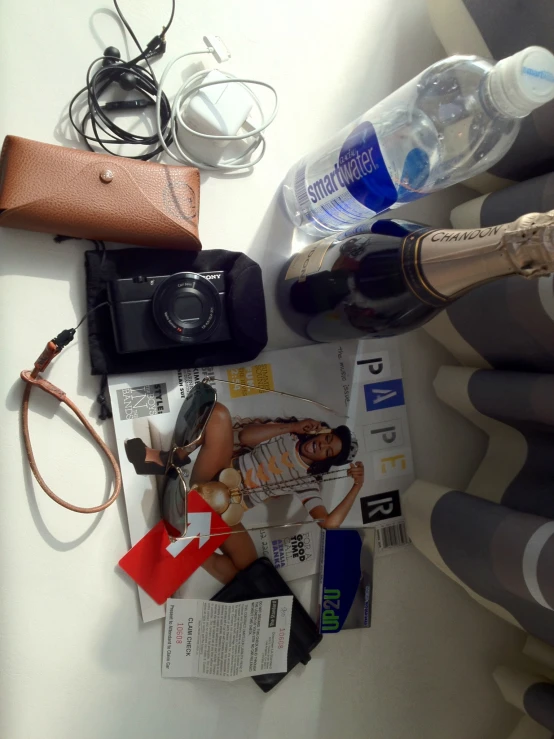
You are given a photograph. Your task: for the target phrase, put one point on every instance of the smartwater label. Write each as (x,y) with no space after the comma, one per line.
(357,186)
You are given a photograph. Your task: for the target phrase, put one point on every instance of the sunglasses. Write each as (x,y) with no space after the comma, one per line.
(189,431)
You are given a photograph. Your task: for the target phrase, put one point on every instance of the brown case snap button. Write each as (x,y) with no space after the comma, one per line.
(106,175)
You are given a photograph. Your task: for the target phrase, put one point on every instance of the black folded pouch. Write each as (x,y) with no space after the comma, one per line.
(244,302)
(262,580)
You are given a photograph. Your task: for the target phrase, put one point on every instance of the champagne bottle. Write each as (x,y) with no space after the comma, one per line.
(389,277)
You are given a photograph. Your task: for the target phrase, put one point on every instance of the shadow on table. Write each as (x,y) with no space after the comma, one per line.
(275,241)
(426,662)
(32,489)
(48,407)
(37,255)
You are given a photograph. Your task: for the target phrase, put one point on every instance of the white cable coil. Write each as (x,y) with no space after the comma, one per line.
(192,86)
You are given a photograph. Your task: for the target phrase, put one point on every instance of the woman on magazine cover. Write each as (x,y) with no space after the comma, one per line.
(265,453)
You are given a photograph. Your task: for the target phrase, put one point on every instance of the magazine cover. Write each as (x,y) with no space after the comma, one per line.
(329,445)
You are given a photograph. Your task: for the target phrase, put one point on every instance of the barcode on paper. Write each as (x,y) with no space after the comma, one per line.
(391,535)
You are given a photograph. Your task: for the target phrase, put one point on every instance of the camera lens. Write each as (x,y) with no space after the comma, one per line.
(186,307)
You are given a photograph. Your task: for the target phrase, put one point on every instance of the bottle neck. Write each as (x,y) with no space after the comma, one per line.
(445,264)
(496,100)
(452,265)
(518,84)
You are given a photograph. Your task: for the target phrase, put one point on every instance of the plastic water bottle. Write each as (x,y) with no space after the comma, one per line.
(453,121)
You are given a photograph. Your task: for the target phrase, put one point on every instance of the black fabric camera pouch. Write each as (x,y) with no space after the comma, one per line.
(244,306)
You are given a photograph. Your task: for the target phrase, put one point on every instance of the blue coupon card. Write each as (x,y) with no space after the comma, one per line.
(346,579)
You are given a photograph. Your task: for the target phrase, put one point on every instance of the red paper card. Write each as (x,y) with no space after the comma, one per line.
(160,566)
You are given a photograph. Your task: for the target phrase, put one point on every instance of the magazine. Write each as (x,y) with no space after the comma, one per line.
(298,460)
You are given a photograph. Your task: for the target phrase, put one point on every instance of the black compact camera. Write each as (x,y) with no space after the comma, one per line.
(150,313)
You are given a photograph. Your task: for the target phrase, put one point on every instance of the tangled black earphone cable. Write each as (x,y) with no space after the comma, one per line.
(129,75)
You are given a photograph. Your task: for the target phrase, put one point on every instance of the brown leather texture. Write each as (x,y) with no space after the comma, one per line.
(71,192)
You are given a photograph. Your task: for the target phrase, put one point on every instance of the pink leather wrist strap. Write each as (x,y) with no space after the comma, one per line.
(32,379)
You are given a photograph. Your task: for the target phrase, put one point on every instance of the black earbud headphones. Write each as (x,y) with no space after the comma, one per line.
(129,76)
(127,80)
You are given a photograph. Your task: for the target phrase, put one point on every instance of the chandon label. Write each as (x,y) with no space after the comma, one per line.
(471,235)
(411,267)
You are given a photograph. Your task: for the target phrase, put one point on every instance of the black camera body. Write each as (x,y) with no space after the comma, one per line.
(163,312)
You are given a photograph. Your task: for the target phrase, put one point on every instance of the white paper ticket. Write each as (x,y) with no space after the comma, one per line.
(226,641)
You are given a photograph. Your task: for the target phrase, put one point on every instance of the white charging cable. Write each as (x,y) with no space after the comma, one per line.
(192,86)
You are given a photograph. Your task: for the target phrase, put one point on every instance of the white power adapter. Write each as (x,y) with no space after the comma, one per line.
(219,110)
(215,106)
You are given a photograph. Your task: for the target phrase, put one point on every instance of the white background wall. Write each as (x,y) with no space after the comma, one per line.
(75,659)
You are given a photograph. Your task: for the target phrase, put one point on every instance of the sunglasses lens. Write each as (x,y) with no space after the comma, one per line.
(172,502)
(194,413)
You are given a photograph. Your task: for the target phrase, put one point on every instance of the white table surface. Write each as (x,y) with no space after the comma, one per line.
(75,659)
